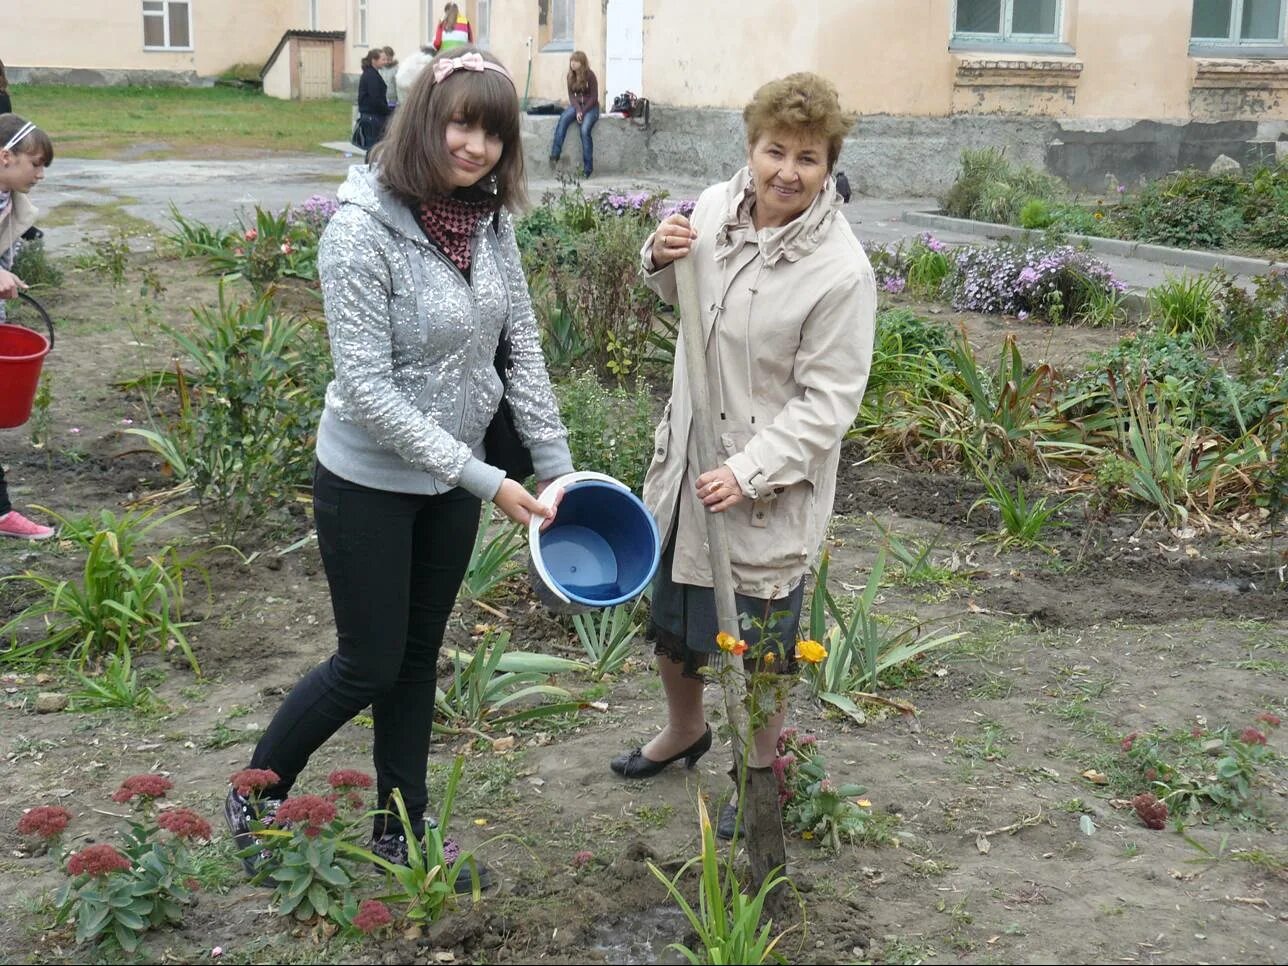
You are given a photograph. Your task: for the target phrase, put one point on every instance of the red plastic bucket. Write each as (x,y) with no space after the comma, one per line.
(22,352)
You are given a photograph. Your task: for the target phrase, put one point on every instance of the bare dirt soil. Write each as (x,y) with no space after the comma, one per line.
(1117,628)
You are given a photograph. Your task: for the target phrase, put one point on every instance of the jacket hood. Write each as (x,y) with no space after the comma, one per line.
(363,189)
(792,241)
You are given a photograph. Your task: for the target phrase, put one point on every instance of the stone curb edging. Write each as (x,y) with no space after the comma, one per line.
(1182,257)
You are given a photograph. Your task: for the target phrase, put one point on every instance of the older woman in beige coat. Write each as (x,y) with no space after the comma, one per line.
(788,302)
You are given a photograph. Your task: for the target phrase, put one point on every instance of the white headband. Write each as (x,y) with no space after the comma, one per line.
(22,133)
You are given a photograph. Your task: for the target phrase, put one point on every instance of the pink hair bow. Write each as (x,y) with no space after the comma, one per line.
(445,67)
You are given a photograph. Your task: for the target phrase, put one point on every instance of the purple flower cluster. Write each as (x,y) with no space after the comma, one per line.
(931,242)
(643,204)
(1008,280)
(314,211)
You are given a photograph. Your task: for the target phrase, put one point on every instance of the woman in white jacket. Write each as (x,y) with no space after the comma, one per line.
(788,305)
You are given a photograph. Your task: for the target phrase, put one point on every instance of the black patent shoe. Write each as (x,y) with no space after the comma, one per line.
(634,764)
(727,822)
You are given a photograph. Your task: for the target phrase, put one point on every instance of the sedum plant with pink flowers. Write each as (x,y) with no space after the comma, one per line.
(114,895)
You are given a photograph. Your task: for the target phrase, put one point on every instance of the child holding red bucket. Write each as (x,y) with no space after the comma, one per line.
(25,151)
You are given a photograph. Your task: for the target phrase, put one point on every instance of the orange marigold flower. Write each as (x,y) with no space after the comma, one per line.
(811,652)
(769,658)
(739,648)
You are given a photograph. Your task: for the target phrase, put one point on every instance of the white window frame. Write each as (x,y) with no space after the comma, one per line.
(360,14)
(556,42)
(164,15)
(1232,40)
(483,23)
(1007,36)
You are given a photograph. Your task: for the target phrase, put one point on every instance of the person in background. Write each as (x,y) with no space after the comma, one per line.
(420,276)
(789,300)
(25,152)
(389,71)
(453,30)
(583,107)
(373,99)
(6,105)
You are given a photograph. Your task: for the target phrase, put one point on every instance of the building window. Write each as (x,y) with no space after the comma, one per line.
(555,19)
(1238,22)
(166,25)
(360,25)
(313,15)
(1007,21)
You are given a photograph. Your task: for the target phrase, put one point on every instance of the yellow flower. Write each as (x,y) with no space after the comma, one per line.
(725,641)
(811,652)
(769,658)
(863,802)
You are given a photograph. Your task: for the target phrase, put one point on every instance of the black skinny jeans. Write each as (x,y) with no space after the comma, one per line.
(394,562)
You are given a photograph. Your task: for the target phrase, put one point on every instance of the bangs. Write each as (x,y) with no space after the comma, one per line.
(37,142)
(485,98)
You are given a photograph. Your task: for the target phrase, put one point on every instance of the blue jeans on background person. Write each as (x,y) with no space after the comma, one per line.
(566,119)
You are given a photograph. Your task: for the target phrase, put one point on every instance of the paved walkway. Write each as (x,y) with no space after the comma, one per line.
(217,191)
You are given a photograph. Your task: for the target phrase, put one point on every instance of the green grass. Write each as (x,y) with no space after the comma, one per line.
(170,122)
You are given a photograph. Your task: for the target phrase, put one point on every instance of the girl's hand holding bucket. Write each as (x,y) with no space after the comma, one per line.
(10,284)
(514,500)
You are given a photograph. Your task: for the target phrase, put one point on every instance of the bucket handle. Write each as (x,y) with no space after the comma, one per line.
(40,310)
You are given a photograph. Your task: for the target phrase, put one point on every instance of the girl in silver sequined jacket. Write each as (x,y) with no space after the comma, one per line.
(413,342)
(420,275)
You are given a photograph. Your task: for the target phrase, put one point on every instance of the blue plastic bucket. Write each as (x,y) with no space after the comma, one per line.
(602,549)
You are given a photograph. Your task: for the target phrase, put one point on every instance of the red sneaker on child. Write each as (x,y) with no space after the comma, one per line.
(14,524)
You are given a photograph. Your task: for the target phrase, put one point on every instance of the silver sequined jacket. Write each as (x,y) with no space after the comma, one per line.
(413,345)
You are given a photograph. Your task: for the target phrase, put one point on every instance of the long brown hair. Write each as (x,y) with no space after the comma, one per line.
(451,14)
(412,157)
(372,54)
(579,80)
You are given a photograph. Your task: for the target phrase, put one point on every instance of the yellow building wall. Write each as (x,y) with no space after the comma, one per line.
(109,36)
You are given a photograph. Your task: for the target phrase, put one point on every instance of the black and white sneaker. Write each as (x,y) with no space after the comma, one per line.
(240,813)
(392,847)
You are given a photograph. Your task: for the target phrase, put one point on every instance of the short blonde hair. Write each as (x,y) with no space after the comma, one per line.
(802,104)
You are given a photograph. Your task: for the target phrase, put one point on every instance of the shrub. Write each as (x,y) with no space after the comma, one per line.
(1256,322)
(990,188)
(247,414)
(583,267)
(609,430)
(1036,213)
(31,264)
(1189,209)
(928,265)
(1163,362)
(1187,305)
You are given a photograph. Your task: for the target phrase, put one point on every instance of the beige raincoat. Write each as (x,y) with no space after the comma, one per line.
(788,315)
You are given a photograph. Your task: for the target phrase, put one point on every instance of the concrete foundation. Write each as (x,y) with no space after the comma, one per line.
(890,156)
(96,77)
